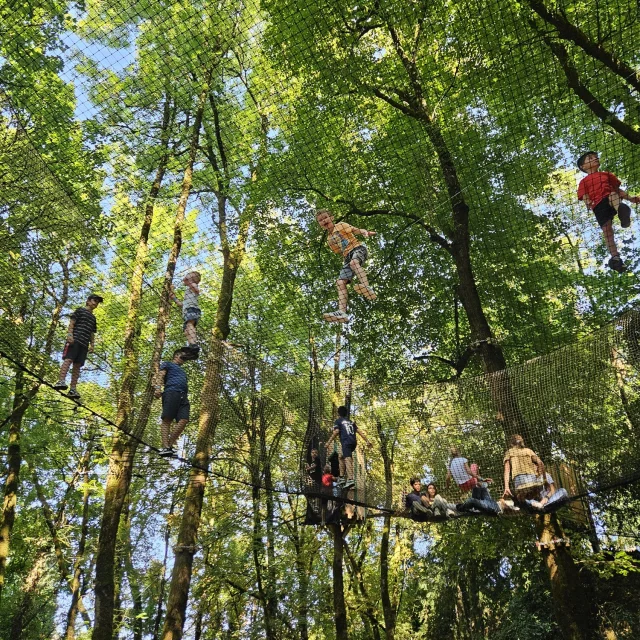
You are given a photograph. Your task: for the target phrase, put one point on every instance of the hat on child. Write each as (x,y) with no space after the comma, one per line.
(95,296)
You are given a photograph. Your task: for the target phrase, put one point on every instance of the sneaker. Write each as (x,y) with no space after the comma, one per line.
(451,513)
(348,484)
(167,452)
(73,394)
(191,352)
(367,292)
(62,386)
(335,316)
(537,505)
(624,213)
(616,264)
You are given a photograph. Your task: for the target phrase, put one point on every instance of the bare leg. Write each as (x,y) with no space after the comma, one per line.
(607,230)
(64,369)
(165,425)
(177,432)
(360,273)
(75,375)
(342,295)
(190,332)
(342,466)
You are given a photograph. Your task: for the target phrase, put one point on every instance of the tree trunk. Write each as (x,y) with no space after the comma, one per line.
(124,448)
(339,606)
(572,607)
(76,597)
(209,415)
(163,579)
(30,590)
(21,400)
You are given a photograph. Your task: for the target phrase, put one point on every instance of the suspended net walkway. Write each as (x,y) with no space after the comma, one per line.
(217,133)
(577,408)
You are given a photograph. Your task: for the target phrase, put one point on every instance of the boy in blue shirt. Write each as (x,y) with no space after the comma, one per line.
(347,430)
(175,401)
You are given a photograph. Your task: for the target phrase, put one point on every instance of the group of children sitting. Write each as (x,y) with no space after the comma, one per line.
(533,488)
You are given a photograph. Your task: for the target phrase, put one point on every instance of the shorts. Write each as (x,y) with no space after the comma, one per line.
(75,352)
(191,314)
(347,450)
(468,485)
(605,212)
(358,253)
(175,406)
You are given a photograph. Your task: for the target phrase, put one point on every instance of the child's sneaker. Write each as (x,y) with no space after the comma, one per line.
(191,351)
(616,264)
(335,316)
(167,452)
(348,484)
(73,394)
(367,292)
(624,213)
(60,385)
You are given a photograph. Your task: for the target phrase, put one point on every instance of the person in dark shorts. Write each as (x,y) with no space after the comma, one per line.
(346,430)
(601,192)
(341,239)
(175,401)
(80,342)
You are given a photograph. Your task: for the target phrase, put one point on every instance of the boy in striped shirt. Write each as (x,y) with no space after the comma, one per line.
(80,341)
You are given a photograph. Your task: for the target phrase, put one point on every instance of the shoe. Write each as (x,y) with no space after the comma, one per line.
(367,292)
(62,386)
(191,351)
(451,513)
(624,213)
(348,484)
(335,316)
(167,452)
(73,394)
(616,264)
(537,505)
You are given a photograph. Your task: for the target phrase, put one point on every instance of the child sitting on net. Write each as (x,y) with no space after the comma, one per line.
(191,312)
(601,192)
(342,239)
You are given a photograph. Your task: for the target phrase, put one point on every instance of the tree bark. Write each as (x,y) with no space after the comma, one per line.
(76,597)
(30,590)
(124,448)
(339,606)
(22,399)
(573,609)
(209,416)
(570,32)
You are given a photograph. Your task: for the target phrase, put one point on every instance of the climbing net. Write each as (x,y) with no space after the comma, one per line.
(257,115)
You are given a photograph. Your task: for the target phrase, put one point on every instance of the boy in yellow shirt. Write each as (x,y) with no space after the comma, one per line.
(342,239)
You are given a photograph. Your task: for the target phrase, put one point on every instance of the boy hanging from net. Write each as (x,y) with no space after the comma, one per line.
(190,312)
(601,192)
(342,239)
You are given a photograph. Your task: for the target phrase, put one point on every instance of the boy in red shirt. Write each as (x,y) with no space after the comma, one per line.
(601,192)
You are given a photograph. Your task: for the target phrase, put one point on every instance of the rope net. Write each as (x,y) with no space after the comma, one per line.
(172,137)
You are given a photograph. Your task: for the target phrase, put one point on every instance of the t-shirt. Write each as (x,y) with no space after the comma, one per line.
(456,467)
(175,378)
(85,325)
(315,472)
(327,480)
(341,239)
(521,462)
(597,185)
(190,300)
(347,431)
(410,498)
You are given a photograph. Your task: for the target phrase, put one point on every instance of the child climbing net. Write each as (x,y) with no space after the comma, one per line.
(342,239)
